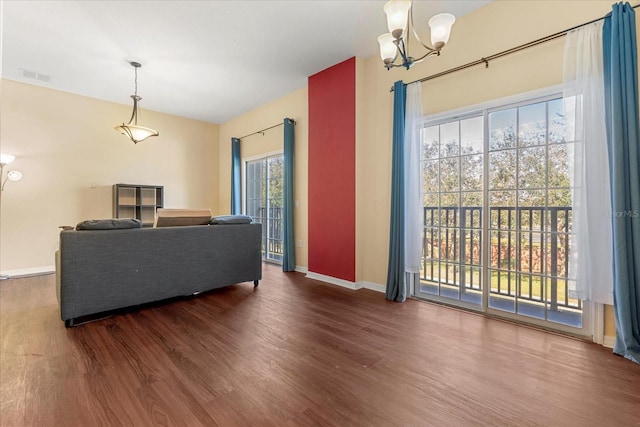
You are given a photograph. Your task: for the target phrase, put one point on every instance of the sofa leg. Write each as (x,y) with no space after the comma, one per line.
(255,283)
(68,323)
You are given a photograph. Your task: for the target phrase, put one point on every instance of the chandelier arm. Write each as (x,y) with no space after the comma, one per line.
(426,55)
(402,50)
(415,33)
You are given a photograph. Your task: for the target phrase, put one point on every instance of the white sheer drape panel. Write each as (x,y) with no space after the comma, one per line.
(590,266)
(412,178)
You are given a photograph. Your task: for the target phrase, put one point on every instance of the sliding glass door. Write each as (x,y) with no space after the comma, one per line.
(264,200)
(497,214)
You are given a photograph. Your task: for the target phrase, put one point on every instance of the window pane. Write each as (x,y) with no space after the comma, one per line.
(558,166)
(532,126)
(450,174)
(531,168)
(502,126)
(430,176)
(557,122)
(449,139)
(502,169)
(471,168)
(471,135)
(431,142)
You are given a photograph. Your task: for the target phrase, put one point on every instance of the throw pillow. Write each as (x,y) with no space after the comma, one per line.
(231,219)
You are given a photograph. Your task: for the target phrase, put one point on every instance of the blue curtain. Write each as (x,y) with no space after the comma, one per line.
(236,190)
(623,130)
(396,288)
(289,252)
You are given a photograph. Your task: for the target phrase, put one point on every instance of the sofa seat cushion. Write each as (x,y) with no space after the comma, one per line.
(231,219)
(109,224)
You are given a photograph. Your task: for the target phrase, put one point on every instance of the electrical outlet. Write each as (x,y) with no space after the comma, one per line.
(299,243)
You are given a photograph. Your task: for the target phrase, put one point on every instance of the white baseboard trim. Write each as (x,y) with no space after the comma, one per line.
(373,286)
(334,281)
(26,272)
(301,269)
(609,341)
(344,283)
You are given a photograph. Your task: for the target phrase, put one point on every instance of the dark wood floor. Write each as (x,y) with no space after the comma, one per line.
(296,352)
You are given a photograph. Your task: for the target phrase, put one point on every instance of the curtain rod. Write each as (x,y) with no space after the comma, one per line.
(261,132)
(486,59)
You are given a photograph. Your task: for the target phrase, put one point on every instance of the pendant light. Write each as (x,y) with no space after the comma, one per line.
(134,132)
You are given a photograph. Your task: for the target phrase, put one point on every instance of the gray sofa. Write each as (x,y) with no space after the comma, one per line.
(102,270)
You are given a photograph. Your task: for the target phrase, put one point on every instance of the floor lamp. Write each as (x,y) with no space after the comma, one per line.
(14,175)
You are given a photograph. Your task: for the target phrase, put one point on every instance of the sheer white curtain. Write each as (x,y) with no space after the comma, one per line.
(591,243)
(412,180)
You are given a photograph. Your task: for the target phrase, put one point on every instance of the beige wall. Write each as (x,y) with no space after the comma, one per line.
(294,106)
(70,156)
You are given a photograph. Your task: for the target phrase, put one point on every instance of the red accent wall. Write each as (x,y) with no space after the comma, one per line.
(332,171)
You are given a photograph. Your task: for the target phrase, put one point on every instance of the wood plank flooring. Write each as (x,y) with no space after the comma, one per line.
(297,352)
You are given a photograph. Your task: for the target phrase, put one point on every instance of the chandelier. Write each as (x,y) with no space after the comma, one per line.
(396,41)
(134,132)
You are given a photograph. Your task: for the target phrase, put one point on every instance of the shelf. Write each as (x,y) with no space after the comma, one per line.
(137,201)
(147,196)
(127,196)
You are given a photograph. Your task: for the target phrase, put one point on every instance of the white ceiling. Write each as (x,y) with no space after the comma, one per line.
(205,60)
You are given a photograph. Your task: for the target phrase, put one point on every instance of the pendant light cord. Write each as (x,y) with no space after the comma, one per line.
(136,81)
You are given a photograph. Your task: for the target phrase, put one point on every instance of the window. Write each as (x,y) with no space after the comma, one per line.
(511,163)
(264,178)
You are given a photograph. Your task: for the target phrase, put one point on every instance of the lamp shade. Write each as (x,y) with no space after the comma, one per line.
(441,29)
(388,49)
(14,175)
(5,159)
(397,12)
(135,133)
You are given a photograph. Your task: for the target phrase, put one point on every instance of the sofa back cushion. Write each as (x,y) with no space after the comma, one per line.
(231,219)
(109,224)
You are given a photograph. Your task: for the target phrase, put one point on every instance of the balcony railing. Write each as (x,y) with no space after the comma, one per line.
(271,220)
(528,252)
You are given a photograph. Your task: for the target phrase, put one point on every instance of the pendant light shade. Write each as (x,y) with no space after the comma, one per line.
(441,29)
(132,130)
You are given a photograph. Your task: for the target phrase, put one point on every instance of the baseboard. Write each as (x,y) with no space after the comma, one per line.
(334,281)
(373,286)
(301,269)
(609,341)
(26,272)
